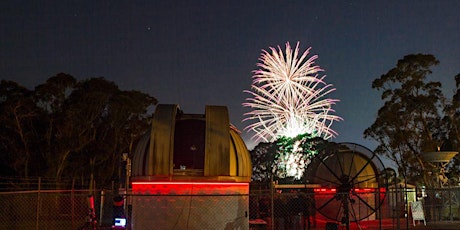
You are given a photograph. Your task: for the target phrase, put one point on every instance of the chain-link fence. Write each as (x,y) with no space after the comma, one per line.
(54,209)
(70,209)
(43,209)
(442,204)
(189,211)
(316,208)
(268,208)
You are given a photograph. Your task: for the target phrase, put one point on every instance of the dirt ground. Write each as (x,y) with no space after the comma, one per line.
(393,224)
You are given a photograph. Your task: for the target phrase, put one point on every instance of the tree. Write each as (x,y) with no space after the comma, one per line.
(82,120)
(125,121)
(285,159)
(409,122)
(98,122)
(262,157)
(452,118)
(18,114)
(78,129)
(52,97)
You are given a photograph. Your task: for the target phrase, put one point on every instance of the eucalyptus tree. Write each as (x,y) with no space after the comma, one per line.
(125,119)
(18,116)
(410,121)
(98,122)
(286,159)
(81,123)
(52,97)
(452,118)
(68,128)
(263,159)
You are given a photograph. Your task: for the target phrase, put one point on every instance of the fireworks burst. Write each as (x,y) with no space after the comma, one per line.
(288,97)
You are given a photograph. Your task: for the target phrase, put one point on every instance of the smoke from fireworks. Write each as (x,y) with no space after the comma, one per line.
(288,97)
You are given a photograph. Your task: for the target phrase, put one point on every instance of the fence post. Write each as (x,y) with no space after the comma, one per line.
(101,206)
(380,208)
(38,203)
(72,200)
(406,204)
(450,204)
(272,210)
(396,205)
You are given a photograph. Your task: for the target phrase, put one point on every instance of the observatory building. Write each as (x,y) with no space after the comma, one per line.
(192,171)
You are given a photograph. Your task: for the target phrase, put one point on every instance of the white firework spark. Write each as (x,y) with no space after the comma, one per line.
(288,97)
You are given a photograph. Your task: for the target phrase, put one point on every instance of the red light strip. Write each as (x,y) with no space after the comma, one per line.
(189,187)
(187,183)
(358,190)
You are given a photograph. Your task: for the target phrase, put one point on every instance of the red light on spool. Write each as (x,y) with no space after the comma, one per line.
(325,190)
(356,190)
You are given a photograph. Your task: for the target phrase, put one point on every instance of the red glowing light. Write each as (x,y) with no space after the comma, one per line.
(189,188)
(186,183)
(356,190)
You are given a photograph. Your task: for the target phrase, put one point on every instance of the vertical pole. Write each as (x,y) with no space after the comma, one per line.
(398,221)
(406,203)
(380,208)
(38,203)
(101,207)
(91,180)
(450,204)
(272,219)
(128,174)
(72,200)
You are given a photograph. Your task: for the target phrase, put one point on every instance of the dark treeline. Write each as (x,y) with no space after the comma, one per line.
(66,128)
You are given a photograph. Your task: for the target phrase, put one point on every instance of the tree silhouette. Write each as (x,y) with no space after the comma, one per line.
(73,129)
(409,122)
(18,114)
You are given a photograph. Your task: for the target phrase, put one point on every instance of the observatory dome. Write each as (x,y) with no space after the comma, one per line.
(188,147)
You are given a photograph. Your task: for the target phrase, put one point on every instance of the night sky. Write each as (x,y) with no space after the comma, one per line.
(197,53)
